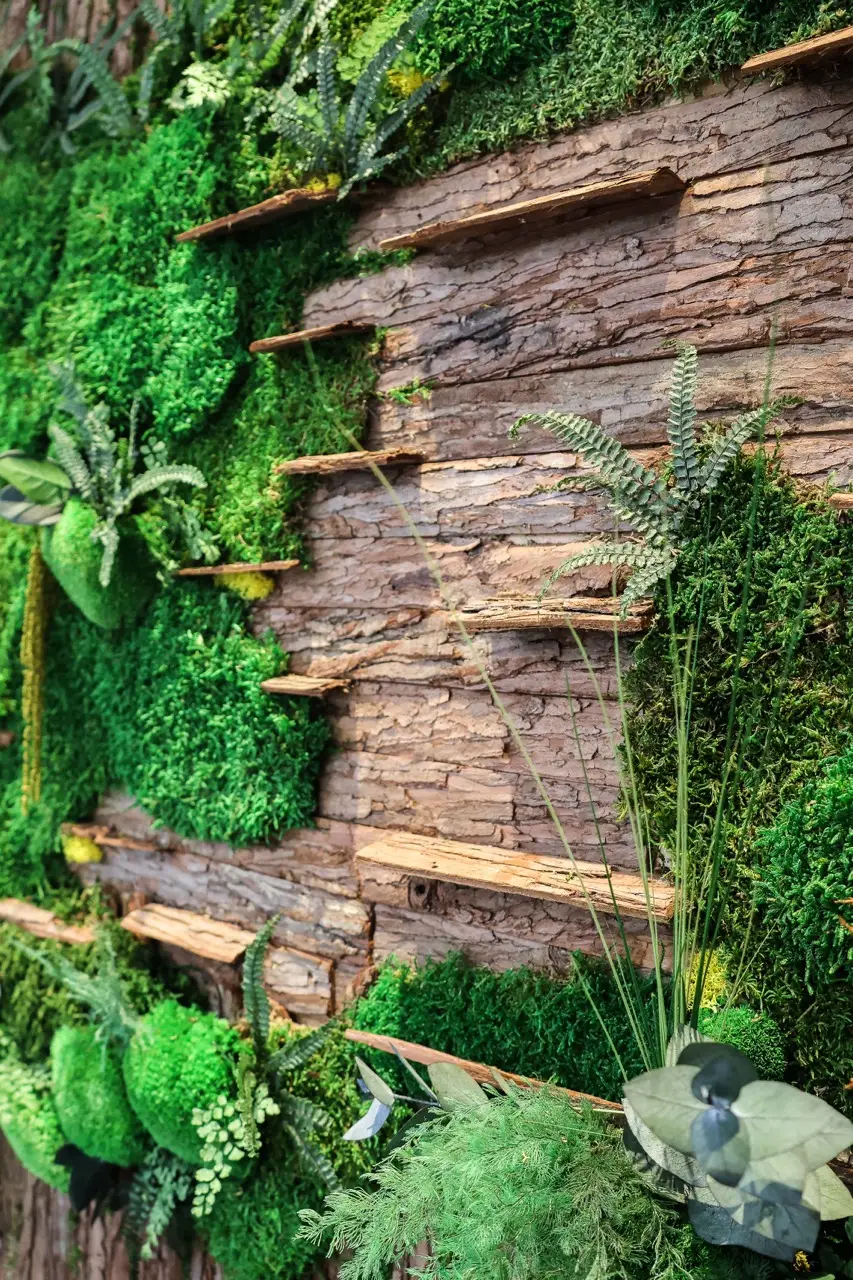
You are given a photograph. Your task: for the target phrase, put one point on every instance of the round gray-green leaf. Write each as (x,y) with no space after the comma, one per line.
(673,1162)
(827,1195)
(374,1083)
(779,1118)
(42,481)
(664,1100)
(780,1178)
(713,1224)
(454,1088)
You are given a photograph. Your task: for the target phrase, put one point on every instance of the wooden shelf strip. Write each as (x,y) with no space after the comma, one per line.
(837,43)
(584,613)
(303,686)
(841,501)
(574,201)
(212,570)
(43,924)
(104,836)
(330,463)
(344,329)
(477,1070)
(258,215)
(531,875)
(203,936)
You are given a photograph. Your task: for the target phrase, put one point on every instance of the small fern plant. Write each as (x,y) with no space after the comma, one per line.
(103,994)
(348,142)
(101,467)
(181,33)
(655,509)
(299,1119)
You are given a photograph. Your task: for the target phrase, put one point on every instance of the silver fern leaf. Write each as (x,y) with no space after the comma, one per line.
(159,477)
(680,427)
(645,577)
(71,460)
(627,555)
(729,445)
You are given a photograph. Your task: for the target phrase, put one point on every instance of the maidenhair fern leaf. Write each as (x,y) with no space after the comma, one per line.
(255,1000)
(681,423)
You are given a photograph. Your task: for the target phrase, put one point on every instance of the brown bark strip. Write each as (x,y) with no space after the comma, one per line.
(264,566)
(303,686)
(41,923)
(359,460)
(342,329)
(258,215)
(836,44)
(201,935)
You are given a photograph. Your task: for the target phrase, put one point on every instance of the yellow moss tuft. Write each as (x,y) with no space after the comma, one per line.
(249,586)
(81,849)
(715,984)
(406,80)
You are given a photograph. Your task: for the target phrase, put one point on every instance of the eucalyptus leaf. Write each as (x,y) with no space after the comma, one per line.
(673,1162)
(780,1177)
(454,1087)
(18,509)
(664,1100)
(720,1145)
(827,1195)
(792,1224)
(374,1084)
(779,1118)
(43,482)
(369,1124)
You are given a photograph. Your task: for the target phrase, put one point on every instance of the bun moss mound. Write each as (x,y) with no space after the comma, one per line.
(75,561)
(91,1100)
(29,1121)
(178,1059)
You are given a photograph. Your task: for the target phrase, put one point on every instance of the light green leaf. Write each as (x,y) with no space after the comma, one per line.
(671,1161)
(664,1101)
(454,1087)
(43,482)
(779,1118)
(376,1085)
(827,1195)
(767,1178)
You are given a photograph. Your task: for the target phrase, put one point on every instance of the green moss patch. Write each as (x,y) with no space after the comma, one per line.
(91,1100)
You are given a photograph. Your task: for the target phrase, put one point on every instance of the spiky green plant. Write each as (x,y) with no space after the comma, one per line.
(349,140)
(101,467)
(104,995)
(653,508)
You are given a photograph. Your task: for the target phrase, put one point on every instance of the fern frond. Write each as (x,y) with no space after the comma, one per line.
(724,450)
(71,460)
(313,1160)
(299,1051)
(255,1000)
(157,20)
(680,426)
(627,555)
(275,41)
(215,12)
(644,579)
(158,477)
(107,534)
(327,88)
(96,69)
(396,119)
(647,522)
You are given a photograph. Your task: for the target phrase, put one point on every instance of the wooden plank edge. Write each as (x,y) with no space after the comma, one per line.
(477,1070)
(106,837)
(186,929)
(345,329)
(256,215)
(642,185)
(554,620)
(42,923)
(296,686)
(841,501)
(357,460)
(262,566)
(802,52)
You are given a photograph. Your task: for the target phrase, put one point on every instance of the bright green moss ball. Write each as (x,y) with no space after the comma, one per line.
(75,561)
(91,1100)
(755,1034)
(29,1121)
(178,1059)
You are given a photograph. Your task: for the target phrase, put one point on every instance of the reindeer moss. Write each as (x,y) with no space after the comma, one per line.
(91,1100)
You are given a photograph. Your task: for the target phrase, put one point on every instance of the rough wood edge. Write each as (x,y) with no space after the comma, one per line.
(304,686)
(841,501)
(344,329)
(264,566)
(477,1070)
(803,51)
(584,613)
(513,871)
(105,836)
(359,460)
(592,195)
(42,923)
(257,215)
(200,935)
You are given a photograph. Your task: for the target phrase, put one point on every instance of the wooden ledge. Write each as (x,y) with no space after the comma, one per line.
(330,463)
(257,215)
(303,686)
(345,329)
(477,1070)
(201,935)
(575,201)
(531,875)
(106,837)
(43,924)
(837,43)
(264,566)
(841,501)
(584,613)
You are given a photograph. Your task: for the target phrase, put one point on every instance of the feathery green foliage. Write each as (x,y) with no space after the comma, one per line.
(179,1060)
(91,1100)
(256,1004)
(162,1184)
(29,1121)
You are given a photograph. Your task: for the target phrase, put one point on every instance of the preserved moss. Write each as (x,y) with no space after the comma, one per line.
(29,1121)
(91,1100)
(75,561)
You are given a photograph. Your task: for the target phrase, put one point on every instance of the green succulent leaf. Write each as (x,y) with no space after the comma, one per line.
(827,1195)
(17,509)
(454,1087)
(664,1100)
(43,482)
(780,1118)
(374,1083)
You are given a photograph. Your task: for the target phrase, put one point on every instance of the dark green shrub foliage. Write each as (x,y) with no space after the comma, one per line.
(178,1059)
(91,1100)
(252,1232)
(519,1020)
